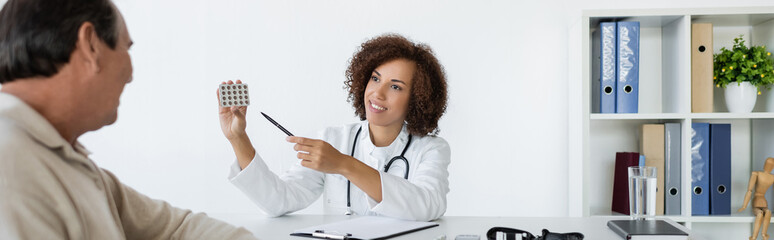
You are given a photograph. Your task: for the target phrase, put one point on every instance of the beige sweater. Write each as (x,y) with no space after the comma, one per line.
(50,190)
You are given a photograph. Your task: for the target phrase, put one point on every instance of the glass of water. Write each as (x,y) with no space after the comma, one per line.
(642,192)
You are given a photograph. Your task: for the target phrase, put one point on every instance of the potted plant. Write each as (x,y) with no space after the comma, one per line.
(743,72)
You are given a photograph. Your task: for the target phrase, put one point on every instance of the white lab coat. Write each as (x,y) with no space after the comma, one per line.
(422,197)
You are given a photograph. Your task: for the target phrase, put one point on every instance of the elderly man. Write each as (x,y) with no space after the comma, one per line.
(63,66)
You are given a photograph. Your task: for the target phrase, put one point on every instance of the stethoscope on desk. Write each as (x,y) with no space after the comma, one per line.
(386,167)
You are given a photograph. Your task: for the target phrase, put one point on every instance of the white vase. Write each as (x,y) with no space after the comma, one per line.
(740,98)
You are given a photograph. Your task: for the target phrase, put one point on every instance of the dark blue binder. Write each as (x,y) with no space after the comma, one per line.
(607,65)
(700,141)
(720,169)
(627,67)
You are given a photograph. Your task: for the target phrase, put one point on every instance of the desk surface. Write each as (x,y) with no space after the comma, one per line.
(450,226)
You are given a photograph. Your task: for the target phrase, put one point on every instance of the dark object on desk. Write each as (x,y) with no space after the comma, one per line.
(646,229)
(511,233)
(276,124)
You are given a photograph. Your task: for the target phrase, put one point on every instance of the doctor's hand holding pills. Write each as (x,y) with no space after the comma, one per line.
(232,121)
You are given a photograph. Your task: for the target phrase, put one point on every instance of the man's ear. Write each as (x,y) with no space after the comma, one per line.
(88,46)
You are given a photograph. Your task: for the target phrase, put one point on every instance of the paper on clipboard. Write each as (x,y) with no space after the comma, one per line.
(366,227)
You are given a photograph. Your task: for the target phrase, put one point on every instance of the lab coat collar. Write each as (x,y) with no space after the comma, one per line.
(39,128)
(369,145)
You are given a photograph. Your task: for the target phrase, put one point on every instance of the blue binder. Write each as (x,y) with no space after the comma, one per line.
(700,140)
(627,67)
(720,169)
(607,67)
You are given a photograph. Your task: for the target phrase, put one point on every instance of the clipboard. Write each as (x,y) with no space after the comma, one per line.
(366,227)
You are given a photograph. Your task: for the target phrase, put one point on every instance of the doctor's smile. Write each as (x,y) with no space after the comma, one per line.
(376,108)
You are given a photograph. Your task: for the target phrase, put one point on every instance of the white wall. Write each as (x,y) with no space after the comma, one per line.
(507,64)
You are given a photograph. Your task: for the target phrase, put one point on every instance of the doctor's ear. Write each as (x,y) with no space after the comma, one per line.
(88,47)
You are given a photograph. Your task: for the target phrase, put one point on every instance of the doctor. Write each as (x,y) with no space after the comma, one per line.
(390,164)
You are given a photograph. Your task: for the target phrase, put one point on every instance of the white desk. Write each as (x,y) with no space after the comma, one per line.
(594,228)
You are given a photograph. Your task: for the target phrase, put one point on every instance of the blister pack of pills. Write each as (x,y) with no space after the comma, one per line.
(234,95)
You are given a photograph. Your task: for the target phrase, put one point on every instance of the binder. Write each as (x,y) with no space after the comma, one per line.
(623,160)
(627,67)
(720,169)
(652,146)
(365,227)
(701,68)
(700,140)
(607,67)
(672,138)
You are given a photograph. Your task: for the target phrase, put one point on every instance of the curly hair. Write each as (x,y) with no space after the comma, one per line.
(427,102)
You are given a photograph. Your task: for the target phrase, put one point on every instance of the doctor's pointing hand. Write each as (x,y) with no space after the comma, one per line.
(321,156)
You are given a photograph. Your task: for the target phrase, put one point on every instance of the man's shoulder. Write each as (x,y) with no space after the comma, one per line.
(14,140)
(20,164)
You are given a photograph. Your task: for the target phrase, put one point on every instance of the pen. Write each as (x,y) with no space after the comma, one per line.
(277,124)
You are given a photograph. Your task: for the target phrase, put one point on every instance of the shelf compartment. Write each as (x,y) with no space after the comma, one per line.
(607,138)
(741,160)
(757,29)
(664,58)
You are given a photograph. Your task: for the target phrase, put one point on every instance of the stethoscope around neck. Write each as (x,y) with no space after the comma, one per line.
(386,167)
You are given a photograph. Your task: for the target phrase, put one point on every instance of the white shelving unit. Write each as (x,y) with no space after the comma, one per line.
(665,96)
